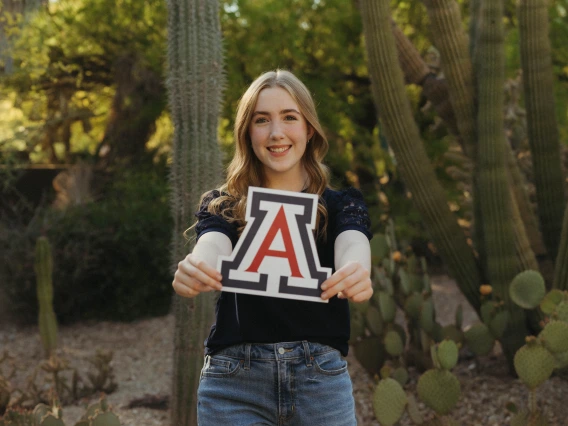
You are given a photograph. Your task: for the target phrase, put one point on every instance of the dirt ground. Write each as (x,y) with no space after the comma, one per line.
(143,366)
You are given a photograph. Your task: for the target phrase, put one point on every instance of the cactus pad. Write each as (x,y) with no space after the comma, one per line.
(448,354)
(534,364)
(405,284)
(561,360)
(479,339)
(498,324)
(374,321)
(400,375)
(357,326)
(105,419)
(555,336)
(551,300)
(379,247)
(427,316)
(439,390)
(487,311)
(562,311)
(412,305)
(387,306)
(389,401)
(527,289)
(393,343)
(370,352)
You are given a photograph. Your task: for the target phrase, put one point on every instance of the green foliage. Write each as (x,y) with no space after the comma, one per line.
(110,256)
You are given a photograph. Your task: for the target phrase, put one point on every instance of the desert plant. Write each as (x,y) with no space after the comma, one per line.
(97,414)
(438,388)
(44,271)
(500,248)
(195,81)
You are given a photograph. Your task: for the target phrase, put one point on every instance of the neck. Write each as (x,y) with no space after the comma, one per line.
(288,183)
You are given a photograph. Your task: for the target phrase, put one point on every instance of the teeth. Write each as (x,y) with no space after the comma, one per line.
(278,149)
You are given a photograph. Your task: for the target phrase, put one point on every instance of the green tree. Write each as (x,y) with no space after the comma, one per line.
(71,75)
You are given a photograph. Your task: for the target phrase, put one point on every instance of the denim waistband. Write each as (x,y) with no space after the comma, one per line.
(275,351)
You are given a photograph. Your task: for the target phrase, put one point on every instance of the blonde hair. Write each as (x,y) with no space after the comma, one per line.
(246,169)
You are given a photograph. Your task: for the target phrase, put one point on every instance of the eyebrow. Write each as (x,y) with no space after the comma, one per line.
(284,111)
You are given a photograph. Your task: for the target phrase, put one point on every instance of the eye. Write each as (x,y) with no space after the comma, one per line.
(260,120)
(290,117)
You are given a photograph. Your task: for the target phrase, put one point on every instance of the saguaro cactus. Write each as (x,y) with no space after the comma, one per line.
(195,81)
(46,318)
(538,83)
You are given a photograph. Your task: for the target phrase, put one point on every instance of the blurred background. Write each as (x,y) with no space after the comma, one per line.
(85,134)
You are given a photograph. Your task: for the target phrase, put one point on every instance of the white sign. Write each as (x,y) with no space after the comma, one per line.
(276,254)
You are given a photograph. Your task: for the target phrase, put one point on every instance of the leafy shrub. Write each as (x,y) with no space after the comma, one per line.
(111,256)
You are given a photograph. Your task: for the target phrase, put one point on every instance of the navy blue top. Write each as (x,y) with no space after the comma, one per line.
(244,318)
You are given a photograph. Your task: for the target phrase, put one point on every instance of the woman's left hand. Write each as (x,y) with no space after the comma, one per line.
(352,281)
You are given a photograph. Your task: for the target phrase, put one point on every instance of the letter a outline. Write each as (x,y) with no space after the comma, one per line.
(293,215)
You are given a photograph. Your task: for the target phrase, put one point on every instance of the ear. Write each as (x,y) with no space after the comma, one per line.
(311,132)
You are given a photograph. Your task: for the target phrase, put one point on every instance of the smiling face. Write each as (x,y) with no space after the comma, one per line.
(279,134)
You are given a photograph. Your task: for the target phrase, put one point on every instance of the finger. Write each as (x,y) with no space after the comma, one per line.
(358,287)
(339,275)
(205,268)
(340,286)
(183,290)
(200,276)
(361,297)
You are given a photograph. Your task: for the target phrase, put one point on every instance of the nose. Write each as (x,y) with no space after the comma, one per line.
(276,132)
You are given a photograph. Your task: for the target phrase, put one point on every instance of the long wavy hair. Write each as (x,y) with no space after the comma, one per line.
(245,169)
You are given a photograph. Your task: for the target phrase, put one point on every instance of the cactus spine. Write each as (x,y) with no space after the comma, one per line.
(195,82)
(542,127)
(46,318)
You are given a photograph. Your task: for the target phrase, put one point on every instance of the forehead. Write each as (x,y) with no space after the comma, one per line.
(274,99)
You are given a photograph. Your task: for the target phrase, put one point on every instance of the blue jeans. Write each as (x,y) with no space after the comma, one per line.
(292,384)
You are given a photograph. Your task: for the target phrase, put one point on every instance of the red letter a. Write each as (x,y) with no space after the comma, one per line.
(281,225)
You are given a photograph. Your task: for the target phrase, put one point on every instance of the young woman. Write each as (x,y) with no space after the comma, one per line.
(272,361)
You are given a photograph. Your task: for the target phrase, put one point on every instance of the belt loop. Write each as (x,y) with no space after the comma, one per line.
(247,356)
(307,353)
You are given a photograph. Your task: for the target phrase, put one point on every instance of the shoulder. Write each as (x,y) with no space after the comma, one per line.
(347,210)
(208,222)
(337,199)
(206,199)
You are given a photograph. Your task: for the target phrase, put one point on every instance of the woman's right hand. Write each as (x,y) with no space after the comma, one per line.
(195,276)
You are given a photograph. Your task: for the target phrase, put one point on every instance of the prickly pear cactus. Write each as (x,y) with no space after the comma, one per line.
(389,401)
(447,354)
(554,336)
(479,339)
(534,364)
(527,289)
(99,414)
(439,390)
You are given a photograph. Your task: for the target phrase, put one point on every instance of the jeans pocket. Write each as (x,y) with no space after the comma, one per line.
(330,363)
(220,366)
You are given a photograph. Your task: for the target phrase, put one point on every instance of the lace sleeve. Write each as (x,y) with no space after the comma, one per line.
(208,222)
(352,213)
